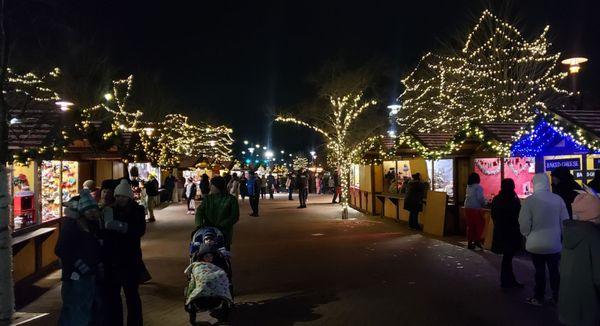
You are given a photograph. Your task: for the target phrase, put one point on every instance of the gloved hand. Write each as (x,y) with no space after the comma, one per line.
(118,226)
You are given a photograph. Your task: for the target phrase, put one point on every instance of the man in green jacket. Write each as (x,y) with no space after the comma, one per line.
(219,209)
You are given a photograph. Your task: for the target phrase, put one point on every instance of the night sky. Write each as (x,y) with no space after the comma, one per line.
(239,62)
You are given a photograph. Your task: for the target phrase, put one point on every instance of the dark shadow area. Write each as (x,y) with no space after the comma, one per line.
(25,295)
(283,311)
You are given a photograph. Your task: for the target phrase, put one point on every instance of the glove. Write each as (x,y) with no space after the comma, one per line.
(82,267)
(118,226)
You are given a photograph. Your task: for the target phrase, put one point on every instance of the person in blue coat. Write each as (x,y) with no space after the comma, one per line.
(253,189)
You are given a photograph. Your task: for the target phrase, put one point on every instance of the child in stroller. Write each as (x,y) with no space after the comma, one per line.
(209,275)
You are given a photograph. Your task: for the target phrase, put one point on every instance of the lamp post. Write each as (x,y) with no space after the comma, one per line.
(574,65)
(64,105)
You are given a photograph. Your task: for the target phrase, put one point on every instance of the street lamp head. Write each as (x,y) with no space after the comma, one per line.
(245,142)
(312,153)
(108,96)
(149,131)
(251,150)
(574,64)
(14,121)
(269,154)
(394,108)
(391,133)
(64,105)
(257,145)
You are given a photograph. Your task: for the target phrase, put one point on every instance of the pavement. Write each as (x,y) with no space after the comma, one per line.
(308,267)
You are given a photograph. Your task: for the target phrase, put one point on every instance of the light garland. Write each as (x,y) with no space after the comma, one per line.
(498,76)
(341,151)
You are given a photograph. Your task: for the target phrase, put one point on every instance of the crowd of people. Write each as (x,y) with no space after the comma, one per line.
(558,225)
(100,252)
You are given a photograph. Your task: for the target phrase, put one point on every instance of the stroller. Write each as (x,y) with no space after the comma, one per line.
(209,285)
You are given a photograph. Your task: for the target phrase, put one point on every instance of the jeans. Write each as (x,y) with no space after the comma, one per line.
(152,202)
(132,298)
(413,220)
(271,193)
(254,203)
(290,192)
(540,262)
(303,195)
(78,300)
(507,276)
(189,201)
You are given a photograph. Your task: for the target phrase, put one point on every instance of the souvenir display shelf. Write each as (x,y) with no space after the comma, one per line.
(59,183)
(69,179)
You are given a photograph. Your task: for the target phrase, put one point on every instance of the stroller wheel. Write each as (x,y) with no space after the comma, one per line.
(192,318)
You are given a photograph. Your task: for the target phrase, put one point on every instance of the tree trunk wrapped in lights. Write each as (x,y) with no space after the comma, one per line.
(336,129)
(498,76)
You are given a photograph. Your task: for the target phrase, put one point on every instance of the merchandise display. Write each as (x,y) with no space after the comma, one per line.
(69,180)
(51,193)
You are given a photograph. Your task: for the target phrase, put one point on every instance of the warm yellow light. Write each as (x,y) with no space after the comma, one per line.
(574,64)
(108,96)
(149,131)
(64,105)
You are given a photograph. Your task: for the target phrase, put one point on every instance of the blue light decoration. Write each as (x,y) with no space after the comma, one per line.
(543,139)
(248,161)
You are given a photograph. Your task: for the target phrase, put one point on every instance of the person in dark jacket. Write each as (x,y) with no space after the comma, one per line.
(564,185)
(302,185)
(189,193)
(151,187)
(595,183)
(243,187)
(253,188)
(413,202)
(204,184)
(289,183)
(507,235)
(123,256)
(79,251)
(270,185)
(170,182)
(336,187)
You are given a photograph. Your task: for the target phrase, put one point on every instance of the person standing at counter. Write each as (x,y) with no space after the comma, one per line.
(507,235)
(564,185)
(540,220)
(474,202)
(413,202)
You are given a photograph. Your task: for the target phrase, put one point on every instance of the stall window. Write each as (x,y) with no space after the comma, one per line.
(23,188)
(489,170)
(441,173)
(521,170)
(396,173)
(355,176)
(51,192)
(571,162)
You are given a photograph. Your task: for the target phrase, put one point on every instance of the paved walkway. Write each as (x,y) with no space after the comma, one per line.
(307,266)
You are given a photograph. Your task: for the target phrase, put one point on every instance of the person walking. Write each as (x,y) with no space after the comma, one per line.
(234,186)
(289,184)
(190,195)
(204,185)
(79,250)
(123,256)
(318,181)
(336,186)
(263,186)
(152,196)
(219,209)
(302,185)
(253,187)
(540,221)
(243,187)
(170,182)
(474,202)
(271,185)
(413,202)
(578,297)
(507,237)
(564,185)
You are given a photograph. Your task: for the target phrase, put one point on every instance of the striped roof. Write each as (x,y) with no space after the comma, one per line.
(586,119)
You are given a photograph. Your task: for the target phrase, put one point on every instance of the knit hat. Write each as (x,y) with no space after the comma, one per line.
(205,249)
(89,184)
(586,206)
(86,202)
(124,189)
(71,208)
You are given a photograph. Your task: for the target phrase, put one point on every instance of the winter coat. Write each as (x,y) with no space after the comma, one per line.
(414,196)
(579,295)
(193,191)
(541,218)
(253,186)
(270,181)
(151,187)
(221,211)
(505,214)
(302,180)
(123,251)
(243,187)
(170,182)
(234,188)
(79,251)
(204,186)
(474,197)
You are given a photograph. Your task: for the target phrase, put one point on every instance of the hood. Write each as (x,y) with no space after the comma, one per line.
(541,182)
(577,231)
